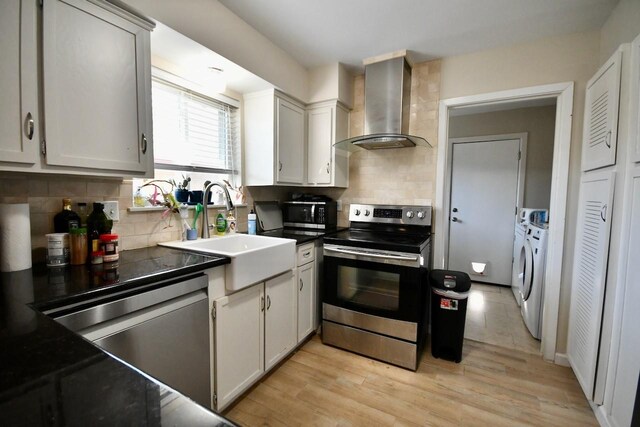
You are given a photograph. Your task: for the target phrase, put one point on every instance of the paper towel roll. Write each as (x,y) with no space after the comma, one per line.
(15,237)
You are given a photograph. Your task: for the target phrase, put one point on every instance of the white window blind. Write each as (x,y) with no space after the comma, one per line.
(192,132)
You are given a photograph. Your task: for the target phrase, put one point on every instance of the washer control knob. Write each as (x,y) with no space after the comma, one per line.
(367,212)
(357,212)
(409,214)
(421,214)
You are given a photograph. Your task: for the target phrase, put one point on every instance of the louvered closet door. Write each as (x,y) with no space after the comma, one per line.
(601,116)
(589,275)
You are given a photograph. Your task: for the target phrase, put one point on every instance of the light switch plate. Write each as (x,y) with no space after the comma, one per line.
(339,205)
(112,211)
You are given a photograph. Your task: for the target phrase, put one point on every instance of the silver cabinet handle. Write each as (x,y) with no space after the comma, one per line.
(143,144)
(279,166)
(29,126)
(306,254)
(603,213)
(607,139)
(454,219)
(301,284)
(261,303)
(328,168)
(268,302)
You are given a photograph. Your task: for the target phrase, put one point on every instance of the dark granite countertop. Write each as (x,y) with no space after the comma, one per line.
(52,376)
(301,236)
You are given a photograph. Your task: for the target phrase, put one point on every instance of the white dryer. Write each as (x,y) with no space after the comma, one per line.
(517,273)
(532,262)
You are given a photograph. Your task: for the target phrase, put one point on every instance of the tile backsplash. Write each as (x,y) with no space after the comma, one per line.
(44,193)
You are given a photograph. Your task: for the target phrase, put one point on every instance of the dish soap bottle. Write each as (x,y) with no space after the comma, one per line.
(252,222)
(231,223)
(221,223)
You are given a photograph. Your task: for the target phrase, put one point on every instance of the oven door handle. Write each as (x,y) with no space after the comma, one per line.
(372,255)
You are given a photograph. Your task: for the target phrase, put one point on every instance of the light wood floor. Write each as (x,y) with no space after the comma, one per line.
(492,386)
(493,317)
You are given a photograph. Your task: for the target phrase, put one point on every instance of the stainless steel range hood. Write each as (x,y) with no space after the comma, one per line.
(387,97)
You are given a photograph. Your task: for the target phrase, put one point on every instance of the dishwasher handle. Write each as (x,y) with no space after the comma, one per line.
(83,319)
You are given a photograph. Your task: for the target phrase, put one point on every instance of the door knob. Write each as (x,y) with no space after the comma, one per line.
(454,219)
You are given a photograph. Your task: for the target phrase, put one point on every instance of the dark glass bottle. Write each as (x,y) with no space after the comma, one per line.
(97,223)
(66,219)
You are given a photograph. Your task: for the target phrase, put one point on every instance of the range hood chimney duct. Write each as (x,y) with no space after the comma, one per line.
(387,99)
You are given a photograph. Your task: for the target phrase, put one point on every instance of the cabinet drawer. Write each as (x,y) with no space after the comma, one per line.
(306,253)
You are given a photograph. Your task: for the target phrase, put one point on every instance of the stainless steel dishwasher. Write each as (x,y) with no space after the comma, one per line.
(164,332)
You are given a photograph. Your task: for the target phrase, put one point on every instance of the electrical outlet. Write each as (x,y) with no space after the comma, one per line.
(112,211)
(339,205)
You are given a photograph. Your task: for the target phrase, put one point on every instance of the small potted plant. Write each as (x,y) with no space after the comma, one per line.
(182,189)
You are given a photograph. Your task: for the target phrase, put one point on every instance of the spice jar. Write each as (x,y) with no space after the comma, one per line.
(97,257)
(109,243)
(78,237)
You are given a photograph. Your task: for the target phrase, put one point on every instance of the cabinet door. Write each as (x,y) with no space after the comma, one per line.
(320,143)
(635,99)
(18,82)
(239,342)
(306,300)
(290,142)
(280,318)
(96,92)
(589,275)
(600,133)
(628,369)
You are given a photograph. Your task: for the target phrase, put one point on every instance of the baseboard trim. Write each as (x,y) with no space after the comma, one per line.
(601,415)
(562,360)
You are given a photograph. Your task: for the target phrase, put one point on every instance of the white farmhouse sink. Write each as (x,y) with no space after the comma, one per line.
(253,258)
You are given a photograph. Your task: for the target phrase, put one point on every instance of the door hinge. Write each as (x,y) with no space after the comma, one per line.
(43,147)
(40,2)
(519,155)
(213,313)
(516,211)
(215,400)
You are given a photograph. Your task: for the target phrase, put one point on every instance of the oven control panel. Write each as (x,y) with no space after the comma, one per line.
(391,214)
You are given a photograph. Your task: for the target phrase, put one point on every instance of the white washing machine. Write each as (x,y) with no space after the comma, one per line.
(532,261)
(517,274)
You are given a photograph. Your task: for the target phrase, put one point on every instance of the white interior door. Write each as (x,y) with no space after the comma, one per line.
(484,196)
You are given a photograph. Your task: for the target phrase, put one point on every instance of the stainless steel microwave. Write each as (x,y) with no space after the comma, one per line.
(320,215)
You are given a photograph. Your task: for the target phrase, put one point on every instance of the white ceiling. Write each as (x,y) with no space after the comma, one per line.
(192,60)
(320,32)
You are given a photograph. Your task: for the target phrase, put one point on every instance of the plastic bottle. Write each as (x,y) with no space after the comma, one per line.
(231,223)
(252,222)
(221,223)
(138,199)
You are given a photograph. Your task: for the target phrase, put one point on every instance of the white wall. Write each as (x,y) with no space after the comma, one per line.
(622,26)
(539,124)
(574,57)
(211,24)
(331,81)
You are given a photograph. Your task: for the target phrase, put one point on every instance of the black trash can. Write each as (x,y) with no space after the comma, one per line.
(450,292)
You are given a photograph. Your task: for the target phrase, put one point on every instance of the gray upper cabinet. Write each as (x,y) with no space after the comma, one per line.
(18,83)
(602,101)
(75,94)
(96,72)
(274,136)
(327,166)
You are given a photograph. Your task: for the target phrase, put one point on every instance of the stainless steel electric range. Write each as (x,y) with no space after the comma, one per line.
(376,295)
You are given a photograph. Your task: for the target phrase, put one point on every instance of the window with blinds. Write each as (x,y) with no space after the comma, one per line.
(193,133)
